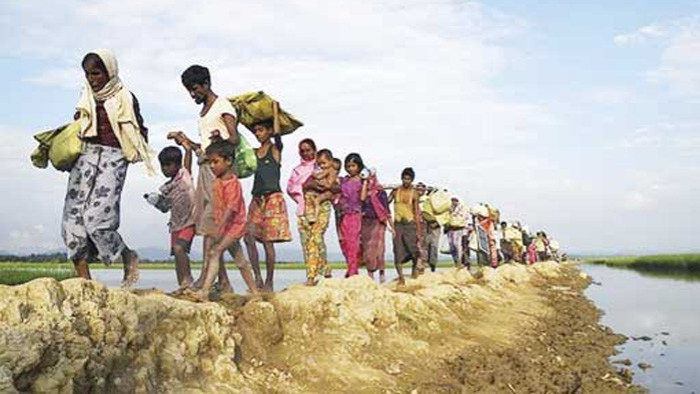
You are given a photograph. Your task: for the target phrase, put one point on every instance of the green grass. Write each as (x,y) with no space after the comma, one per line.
(10,275)
(682,266)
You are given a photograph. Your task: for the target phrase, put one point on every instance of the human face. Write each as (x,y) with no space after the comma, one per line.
(262,133)
(307,152)
(352,168)
(220,166)
(169,169)
(97,78)
(406,181)
(324,162)
(199,92)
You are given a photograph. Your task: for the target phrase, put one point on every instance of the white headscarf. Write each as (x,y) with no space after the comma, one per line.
(119,104)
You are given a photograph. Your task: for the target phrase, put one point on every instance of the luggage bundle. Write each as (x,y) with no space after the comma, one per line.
(60,146)
(256,107)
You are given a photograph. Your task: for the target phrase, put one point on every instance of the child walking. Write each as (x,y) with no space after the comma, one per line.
(177,197)
(406,224)
(353,190)
(267,217)
(229,217)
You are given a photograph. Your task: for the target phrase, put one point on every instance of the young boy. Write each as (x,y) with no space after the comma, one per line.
(229,216)
(406,225)
(317,189)
(177,196)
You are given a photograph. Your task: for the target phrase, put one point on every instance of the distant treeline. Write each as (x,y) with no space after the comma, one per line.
(35,258)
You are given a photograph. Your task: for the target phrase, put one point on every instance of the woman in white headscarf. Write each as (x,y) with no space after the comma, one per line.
(113,136)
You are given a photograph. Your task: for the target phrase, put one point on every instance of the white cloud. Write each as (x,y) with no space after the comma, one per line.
(641,35)
(679,63)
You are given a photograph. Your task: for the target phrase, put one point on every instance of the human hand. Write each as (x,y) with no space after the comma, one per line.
(215,136)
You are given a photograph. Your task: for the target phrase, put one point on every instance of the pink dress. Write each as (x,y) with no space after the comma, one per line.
(351,223)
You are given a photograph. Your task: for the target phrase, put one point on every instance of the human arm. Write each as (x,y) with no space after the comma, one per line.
(181,139)
(392,195)
(363,192)
(188,158)
(232,127)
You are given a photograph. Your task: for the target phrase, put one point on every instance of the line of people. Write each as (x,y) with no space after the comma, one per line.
(213,207)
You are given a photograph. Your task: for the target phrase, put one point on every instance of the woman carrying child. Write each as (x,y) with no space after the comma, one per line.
(318,193)
(376,216)
(311,234)
(113,136)
(267,216)
(353,190)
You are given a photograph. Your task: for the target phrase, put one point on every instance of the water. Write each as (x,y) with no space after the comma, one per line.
(165,279)
(636,306)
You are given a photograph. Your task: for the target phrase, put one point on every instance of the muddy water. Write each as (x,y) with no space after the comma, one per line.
(664,316)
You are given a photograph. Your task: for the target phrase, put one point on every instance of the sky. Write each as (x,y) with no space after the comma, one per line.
(577,118)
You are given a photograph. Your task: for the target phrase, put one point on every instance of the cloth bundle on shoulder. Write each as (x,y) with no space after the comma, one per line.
(256,107)
(441,201)
(60,146)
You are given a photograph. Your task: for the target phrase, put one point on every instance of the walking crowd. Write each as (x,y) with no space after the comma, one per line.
(424,221)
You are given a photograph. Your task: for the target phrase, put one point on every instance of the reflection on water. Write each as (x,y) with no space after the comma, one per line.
(637,306)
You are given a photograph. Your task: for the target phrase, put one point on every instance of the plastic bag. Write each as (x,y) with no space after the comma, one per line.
(245,162)
(256,107)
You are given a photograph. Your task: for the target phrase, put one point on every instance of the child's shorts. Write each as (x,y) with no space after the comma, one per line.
(182,237)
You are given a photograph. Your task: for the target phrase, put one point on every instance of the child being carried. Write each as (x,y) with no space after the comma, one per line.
(318,188)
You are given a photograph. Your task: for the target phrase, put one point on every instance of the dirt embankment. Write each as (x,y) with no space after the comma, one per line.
(515,329)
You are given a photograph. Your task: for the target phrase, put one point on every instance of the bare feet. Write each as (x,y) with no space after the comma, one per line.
(225,288)
(311,282)
(402,282)
(268,288)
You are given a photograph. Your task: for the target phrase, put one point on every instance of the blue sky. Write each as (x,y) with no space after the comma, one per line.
(576,117)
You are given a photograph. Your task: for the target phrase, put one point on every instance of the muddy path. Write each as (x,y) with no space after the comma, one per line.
(515,329)
(564,350)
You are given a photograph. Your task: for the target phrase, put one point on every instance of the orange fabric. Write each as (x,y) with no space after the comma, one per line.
(228,194)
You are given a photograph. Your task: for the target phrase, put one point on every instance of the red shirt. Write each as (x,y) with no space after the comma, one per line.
(228,194)
(105,134)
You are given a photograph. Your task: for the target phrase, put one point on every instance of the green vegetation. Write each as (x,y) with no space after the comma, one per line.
(679,266)
(13,275)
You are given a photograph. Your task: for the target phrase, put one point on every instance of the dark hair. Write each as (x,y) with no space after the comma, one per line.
(268,124)
(504,224)
(355,158)
(224,149)
(309,142)
(93,57)
(170,154)
(195,74)
(325,152)
(337,163)
(408,171)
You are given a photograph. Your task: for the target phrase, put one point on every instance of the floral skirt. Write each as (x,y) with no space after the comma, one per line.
(268,220)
